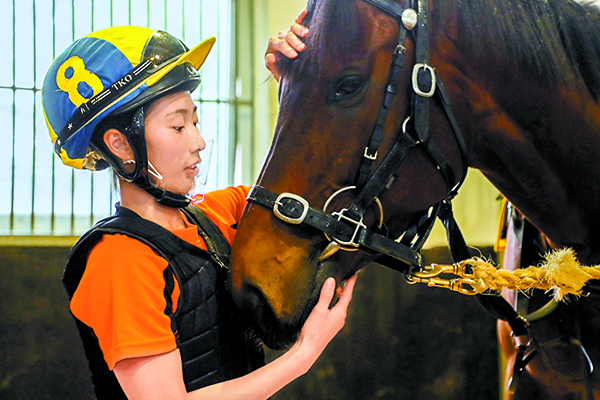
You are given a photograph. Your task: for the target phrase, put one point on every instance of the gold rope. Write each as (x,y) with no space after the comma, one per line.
(561,272)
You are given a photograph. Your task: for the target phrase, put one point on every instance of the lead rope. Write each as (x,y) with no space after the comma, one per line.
(561,272)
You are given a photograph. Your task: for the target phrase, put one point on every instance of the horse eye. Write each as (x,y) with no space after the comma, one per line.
(347,87)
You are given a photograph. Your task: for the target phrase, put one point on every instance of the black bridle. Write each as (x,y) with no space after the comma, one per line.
(345,228)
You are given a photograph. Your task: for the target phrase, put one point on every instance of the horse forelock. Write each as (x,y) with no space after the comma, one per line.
(555,40)
(333,33)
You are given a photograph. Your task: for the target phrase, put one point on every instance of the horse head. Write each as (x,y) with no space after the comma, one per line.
(305,215)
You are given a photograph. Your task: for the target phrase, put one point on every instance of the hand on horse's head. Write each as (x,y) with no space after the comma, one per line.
(287,43)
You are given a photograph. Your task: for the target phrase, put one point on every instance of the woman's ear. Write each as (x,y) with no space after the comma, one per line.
(118,144)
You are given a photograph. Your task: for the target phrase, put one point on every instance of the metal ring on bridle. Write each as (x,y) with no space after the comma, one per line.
(349,245)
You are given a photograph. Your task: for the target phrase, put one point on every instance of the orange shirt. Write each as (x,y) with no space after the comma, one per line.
(120,295)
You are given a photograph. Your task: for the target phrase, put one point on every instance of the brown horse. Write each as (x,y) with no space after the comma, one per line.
(510,87)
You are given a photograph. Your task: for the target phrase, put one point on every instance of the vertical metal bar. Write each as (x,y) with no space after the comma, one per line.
(33,152)
(91,218)
(72,200)
(233,112)
(199,111)
(217,105)
(239,65)
(53,162)
(252,88)
(14,121)
(183,22)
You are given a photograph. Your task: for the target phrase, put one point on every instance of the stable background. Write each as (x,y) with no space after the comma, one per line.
(400,342)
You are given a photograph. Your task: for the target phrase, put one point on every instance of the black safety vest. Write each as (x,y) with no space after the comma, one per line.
(213,337)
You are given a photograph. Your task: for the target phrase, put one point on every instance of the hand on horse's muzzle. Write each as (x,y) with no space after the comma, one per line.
(325,321)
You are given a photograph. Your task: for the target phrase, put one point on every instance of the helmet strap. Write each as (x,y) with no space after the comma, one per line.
(162,196)
(154,172)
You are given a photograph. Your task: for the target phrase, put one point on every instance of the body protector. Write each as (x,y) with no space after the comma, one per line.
(112,72)
(211,333)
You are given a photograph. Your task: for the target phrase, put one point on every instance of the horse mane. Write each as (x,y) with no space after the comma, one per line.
(554,40)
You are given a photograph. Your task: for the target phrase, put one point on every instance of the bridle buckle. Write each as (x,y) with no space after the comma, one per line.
(369,156)
(415,80)
(287,218)
(359,225)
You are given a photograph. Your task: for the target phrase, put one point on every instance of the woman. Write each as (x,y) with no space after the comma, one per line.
(148,284)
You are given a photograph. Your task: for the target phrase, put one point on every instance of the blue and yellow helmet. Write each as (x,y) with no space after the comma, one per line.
(112,71)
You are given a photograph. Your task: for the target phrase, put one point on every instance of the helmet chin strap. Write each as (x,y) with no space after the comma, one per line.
(154,172)
(162,196)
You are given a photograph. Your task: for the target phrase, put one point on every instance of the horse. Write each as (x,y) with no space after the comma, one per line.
(380,119)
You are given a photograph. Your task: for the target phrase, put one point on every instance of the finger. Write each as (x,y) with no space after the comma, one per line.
(294,41)
(284,44)
(327,293)
(299,30)
(346,294)
(300,17)
(270,63)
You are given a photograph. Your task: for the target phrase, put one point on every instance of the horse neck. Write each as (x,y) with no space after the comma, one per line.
(538,144)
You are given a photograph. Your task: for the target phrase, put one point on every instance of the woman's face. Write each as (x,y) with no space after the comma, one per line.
(174,141)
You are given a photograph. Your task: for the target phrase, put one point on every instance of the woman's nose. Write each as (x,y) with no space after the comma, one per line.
(199,143)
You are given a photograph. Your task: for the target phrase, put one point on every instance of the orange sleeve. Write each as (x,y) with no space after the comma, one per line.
(225,207)
(121,297)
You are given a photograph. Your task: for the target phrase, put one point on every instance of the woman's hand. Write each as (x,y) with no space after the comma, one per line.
(287,43)
(324,323)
